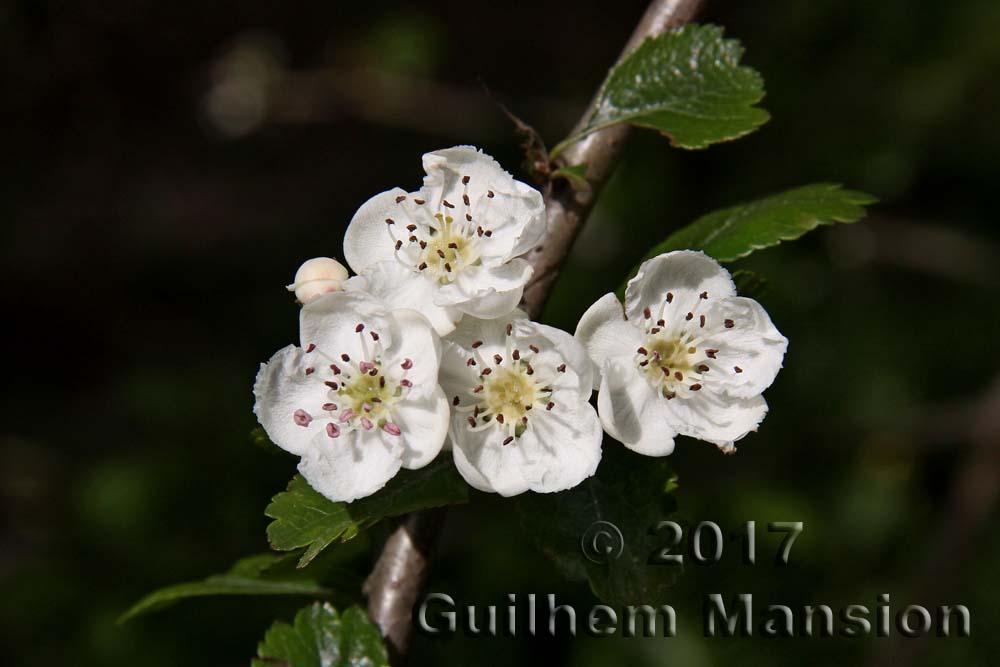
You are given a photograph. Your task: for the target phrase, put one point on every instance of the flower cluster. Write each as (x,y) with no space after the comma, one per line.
(424,347)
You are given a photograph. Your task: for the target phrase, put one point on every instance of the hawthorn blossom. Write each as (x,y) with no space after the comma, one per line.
(520,414)
(459,237)
(359,398)
(685,357)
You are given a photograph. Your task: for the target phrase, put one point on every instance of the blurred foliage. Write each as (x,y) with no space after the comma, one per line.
(156,197)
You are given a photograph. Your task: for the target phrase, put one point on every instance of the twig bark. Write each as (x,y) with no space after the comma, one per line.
(567,209)
(398,576)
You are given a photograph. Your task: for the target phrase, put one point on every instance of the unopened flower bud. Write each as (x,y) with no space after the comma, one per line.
(316,277)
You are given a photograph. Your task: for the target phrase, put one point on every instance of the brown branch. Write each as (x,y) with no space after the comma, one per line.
(398,576)
(567,209)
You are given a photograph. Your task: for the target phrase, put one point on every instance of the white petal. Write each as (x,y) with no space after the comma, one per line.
(328,322)
(753,345)
(400,287)
(485,463)
(281,388)
(414,340)
(632,412)
(424,426)
(487,292)
(555,348)
(515,214)
(565,449)
(605,333)
(683,273)
(716,417)
(491,331)
(366,240)
(353,466)
(555,453)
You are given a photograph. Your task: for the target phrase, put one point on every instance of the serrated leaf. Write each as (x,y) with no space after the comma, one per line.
(305,518)
(737,231)
(687,84)
(320,637)
(630,491)
(254,575)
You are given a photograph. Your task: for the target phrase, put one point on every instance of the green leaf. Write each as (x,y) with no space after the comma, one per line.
(687,84)
(254,575)
(305,518)
(319,637)
(737,231)
(630,491)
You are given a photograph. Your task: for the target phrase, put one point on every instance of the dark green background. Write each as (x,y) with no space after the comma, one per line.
(145,243)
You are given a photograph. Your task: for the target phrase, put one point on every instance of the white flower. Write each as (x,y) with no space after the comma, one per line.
(359,399)
(459,237)
(687,356)
(317,276)
(520,416)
